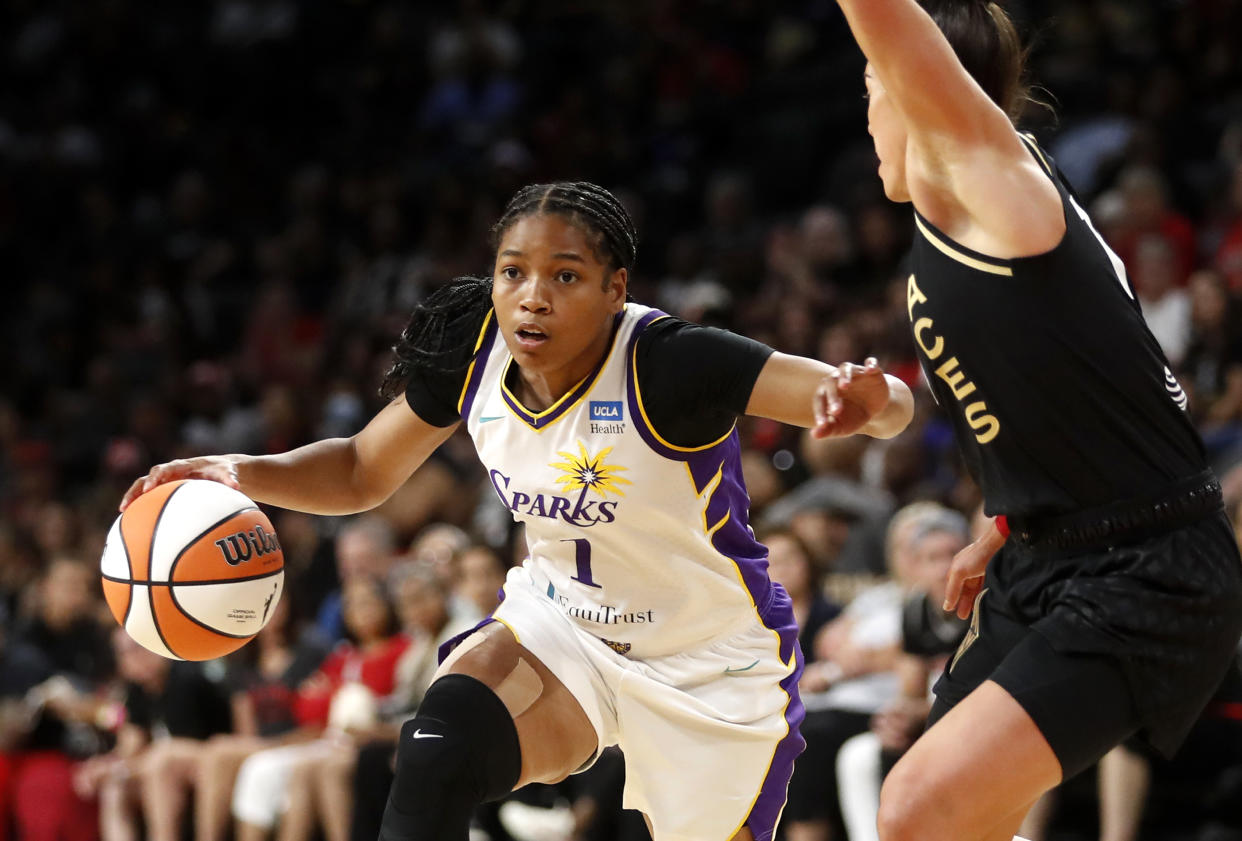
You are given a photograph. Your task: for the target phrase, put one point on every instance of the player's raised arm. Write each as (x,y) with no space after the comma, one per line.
(831,401)
(917,66)
(333,476)
(943,126)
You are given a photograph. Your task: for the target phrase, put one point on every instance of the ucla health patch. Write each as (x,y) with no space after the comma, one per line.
(607,410)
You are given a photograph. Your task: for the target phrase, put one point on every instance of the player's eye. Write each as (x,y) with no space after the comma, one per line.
(567,277)
(510,273)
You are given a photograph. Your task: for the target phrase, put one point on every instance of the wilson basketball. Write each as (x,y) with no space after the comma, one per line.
(192,569)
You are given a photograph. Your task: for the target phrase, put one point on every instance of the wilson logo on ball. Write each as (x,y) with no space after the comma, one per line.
(241,547)
(163,578)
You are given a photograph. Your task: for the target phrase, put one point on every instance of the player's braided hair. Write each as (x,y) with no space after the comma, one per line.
(441,332)
(589,207)
(435,338)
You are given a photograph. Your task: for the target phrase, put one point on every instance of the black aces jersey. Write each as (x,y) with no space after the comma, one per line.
(1060,396)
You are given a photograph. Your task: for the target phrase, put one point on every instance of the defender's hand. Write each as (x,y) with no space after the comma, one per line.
(221,469)
(967,571)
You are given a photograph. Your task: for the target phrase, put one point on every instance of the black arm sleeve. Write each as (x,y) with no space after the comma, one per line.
(433,394)
(695,380)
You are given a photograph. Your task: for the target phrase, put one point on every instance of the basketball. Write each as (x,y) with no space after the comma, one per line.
(192,569)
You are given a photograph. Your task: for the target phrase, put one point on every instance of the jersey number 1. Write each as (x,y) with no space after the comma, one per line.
(582,558)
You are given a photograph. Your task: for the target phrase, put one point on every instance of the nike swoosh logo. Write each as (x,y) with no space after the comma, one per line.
(489,420)
(419,734)
(729,670)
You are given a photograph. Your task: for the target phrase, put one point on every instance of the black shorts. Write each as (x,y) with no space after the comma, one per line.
(1103,644)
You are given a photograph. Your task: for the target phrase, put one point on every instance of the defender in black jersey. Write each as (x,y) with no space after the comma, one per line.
(1114,601)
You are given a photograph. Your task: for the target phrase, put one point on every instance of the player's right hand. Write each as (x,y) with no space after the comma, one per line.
(221,469)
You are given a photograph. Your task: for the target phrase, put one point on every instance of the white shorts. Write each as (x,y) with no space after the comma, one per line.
(709,734)
(261,790)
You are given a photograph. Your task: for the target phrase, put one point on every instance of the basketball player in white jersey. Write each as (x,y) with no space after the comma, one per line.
(644,615)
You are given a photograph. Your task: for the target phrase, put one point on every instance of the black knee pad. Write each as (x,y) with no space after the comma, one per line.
(459,751)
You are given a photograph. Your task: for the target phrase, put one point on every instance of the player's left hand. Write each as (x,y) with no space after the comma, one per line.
(848,398)
(966,576)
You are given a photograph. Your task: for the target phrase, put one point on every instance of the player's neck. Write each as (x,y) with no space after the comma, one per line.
(539,389)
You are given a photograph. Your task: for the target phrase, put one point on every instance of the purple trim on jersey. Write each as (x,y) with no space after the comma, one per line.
(734,539)
(448,645)
(571,400)
(775,789)
(480,364)
(631,392)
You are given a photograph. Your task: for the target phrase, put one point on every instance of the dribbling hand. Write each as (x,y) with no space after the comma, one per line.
(221,469)
(849,398)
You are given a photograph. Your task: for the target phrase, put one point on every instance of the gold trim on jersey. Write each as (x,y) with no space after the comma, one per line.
(789,665)
(775,747)
(709,491)
(965,259)
(972,633)
(512,630)
(638,398)
(561,411)
(465,386)
(1029,139)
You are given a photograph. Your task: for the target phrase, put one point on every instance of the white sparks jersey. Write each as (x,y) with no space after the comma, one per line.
(643,544)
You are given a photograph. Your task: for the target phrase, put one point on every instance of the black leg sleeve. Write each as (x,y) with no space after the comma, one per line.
(460,750)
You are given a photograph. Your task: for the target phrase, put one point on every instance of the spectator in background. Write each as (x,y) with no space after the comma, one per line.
(828,246)
(690,288)
(1212,368)
(1166,304)
(790,564)
(850,677)
(23,668)
(344,693)
(474,92)
(480,576)
(732,233)
(929,636)
(65,632)
(365,548)
(1145,192)
(439,547)
(323,783)
(310,562)
(839,517)
(19,569)
(263,679)
(164,713)
(364,776)
(1228,255)
(882,244)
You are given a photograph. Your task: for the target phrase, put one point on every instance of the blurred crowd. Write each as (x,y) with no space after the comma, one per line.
(216,215)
